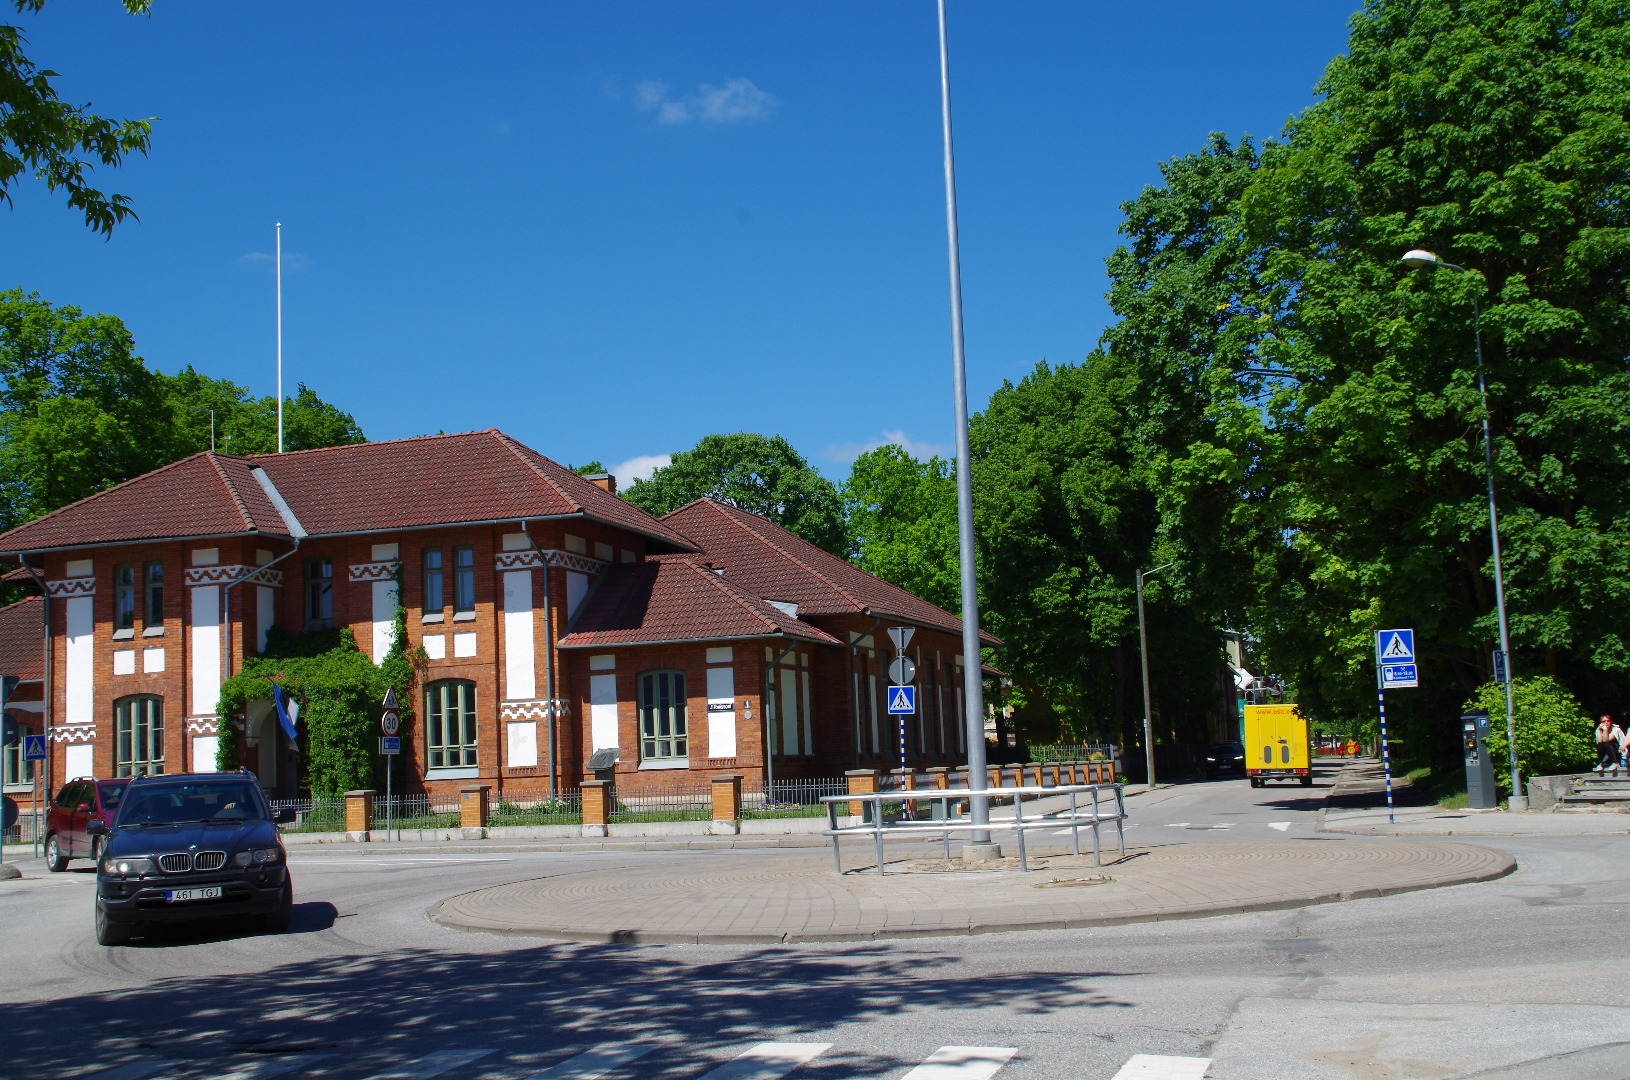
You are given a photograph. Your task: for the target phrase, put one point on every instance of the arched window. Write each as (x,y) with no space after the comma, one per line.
(138,735)
(662,716)
(449,712)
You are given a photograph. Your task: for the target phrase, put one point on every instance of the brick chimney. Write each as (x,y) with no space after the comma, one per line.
(604,481)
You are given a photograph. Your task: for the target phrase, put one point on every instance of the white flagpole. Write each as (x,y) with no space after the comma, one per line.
(279,337)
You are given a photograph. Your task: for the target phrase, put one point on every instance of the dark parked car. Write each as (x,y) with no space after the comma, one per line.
(1225,757)
(78,803)
(188,847)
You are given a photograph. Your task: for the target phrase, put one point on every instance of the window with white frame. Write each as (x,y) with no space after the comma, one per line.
(663,734)
(463,579)
(17,770)
(449,709)
(138,732)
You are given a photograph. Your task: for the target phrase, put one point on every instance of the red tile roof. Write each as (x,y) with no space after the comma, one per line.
(401,484)
(676,598)
(21,638)
(761,558)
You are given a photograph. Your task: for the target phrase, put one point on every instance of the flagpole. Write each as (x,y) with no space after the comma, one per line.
(279,337)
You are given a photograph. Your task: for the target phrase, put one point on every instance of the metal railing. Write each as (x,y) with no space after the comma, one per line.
(789,798)
(948,816)
(315,814)
(535,806)
(1076,752)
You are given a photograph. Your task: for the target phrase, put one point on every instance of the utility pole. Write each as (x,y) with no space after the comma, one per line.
(1143,661)
(279,337)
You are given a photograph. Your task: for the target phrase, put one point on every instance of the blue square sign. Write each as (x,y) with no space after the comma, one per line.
(33,747)
(1398,676)
(902,700)
(1395,646)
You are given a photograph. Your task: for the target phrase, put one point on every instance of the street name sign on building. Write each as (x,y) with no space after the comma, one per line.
(902,700)
(390,744)
(902,670)
(1395,655)
(33,747)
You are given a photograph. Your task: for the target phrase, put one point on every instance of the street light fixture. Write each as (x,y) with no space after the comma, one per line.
(1143,660)
(1418,259)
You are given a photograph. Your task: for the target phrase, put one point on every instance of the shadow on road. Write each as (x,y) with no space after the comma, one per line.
(547,1001)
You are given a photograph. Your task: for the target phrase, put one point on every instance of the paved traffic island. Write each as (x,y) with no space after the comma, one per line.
(798,897)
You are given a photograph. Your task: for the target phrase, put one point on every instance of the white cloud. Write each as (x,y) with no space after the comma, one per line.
(845,453)
(292,260)
(738,100)
(638,468)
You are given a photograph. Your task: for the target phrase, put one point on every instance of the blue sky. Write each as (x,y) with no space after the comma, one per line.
(610,229)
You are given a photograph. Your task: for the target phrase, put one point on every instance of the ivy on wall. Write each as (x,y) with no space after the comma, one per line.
(339,690)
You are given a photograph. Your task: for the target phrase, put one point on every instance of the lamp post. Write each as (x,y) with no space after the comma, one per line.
(1143,660)
(1426,260)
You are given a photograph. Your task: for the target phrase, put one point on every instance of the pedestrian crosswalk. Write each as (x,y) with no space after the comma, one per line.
(760,1061)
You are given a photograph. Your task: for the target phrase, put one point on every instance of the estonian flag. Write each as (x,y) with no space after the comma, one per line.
(288,710)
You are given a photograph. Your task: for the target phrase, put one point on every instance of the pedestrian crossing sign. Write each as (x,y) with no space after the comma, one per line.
(1395,646)
(902,699)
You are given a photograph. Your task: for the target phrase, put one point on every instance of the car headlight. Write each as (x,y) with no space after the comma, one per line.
(1211,759)
(258,856)
(128,867)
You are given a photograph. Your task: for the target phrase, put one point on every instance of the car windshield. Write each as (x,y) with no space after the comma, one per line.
(1228,748)
(184,802)
(111,794)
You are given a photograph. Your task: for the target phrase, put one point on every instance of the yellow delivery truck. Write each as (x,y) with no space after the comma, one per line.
(1277,745)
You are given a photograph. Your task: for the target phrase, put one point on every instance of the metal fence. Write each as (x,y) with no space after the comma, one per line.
(314,814)
(528,806)
(1075,752)
(789,798)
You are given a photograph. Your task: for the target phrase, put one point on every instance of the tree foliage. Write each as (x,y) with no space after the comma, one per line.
(761,474)
(901,516)
(1554,733)
(80,411)
(61,143)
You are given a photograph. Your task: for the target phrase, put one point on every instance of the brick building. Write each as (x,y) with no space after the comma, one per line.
(555,617)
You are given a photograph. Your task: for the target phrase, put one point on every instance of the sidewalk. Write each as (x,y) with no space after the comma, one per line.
(1357,806)
(798,897)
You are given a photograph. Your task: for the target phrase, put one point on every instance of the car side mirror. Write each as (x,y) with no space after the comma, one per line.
(96,828)
(283,815)
(83,808)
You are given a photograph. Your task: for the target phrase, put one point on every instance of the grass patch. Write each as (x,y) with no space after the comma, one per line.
(1448,792)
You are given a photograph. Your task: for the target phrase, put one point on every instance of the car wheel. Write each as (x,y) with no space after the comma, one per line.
(55,860)
(1307,781)
(277,920)
(110,933)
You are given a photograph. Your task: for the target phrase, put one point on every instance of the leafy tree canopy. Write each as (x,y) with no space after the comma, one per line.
(902,522)
(760,474)
(60,143)
(80,411)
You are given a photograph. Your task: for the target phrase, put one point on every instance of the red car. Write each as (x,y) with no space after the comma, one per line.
(79,802)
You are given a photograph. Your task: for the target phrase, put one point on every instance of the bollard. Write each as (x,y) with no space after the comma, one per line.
(473,803)
(597,797)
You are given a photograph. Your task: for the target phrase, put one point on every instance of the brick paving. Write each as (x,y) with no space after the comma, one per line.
(797,897)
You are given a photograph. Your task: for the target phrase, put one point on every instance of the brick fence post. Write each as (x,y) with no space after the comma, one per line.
(472,810)
(597,796)
(726,791)
(359,814)
(861,782)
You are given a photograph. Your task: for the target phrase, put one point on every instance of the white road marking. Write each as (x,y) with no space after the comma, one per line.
(768,1061)
(274,1066)
(432,1064)
(1282,826)
(962,1063)
(1163,1067)
(136,1070)
(1177,824)
(596,1062)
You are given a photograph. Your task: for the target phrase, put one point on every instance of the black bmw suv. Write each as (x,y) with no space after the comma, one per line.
(191,846)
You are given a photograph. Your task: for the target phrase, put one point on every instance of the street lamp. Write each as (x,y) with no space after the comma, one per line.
(1143,659)
(1426,260)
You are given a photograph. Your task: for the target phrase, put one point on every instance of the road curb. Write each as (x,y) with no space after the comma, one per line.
(634,936)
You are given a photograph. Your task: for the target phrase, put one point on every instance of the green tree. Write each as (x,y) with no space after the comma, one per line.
(902,521)
(1554,733)
(760,474)
(80,411)
(60,143)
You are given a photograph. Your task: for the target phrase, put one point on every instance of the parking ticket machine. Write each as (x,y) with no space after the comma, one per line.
(1480,790)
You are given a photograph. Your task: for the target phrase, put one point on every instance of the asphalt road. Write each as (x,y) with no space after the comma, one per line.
(1443,983)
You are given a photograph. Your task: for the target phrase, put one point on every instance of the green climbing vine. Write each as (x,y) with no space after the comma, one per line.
(339,690)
